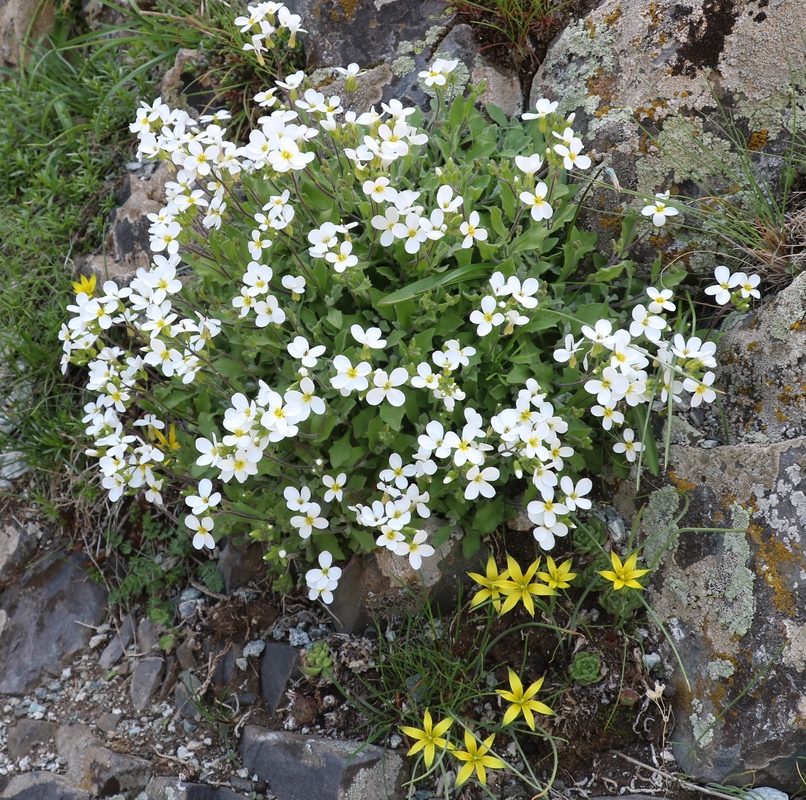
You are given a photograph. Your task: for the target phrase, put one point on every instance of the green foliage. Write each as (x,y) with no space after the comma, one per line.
(317,660)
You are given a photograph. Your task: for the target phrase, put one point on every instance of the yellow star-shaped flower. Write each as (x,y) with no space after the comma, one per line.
(521,701)
(624,574)
(489,584)
(557,577)
(476,759)
(429,738)
(518,586)
(85,284)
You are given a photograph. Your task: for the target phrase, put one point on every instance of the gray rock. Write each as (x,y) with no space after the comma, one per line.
(22,21)
(383,584)
(241,567)
(46,619)
(147,637)
(185,692)
(27,733)
(177,789)
(145,680)
(17,544)
(113,652)
(103,771)
(42,786)
(106,723)
(279,667)
(301,767)
(629,67)
(762,362)
(734,605)
(185,656)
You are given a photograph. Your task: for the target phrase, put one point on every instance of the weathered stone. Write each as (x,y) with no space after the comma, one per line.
(145,680)
(147,638)
(92,766)
(645,79)
(185,692)
(185,656)
(383,584)
(734,604)
(176,789)
(762,364)
(17,544)
(42,786)
(127,244)
(241,566)
(28,733)
(45,619)
(301,767)
(113,652)
(279,667)
(106,723)
(22,21)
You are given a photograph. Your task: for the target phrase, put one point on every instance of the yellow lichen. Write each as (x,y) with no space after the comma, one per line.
(613,16)
(681,484)
(780,563)
(758,139)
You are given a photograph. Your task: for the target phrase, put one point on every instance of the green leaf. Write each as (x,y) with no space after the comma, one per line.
(497,115)
(497,222)
(343,452)
(607,274)
(441,535)
(392,415)
(530,240)
(470,272)
(489,516)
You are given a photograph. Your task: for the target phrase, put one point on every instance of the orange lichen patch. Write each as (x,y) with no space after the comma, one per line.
(611,221)
(681,484)
(601,84)
(653,11)
(613,16)
(758,407)
(728,501)
(719,518)
(591,27)
(780,416)
(758,139)
(651,110)
(781,563)
(660,239)
(795,326)
(753,346)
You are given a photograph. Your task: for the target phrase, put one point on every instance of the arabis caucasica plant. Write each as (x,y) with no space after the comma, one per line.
(358,318)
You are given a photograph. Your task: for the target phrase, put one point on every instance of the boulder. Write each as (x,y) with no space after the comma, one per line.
(98,769)
(46,618)
(646,80)
(26,734)
(176,789)
(42,786)
(18,542)
(298,767)
(22,21)
(146,679)
(762,369)
(278,668)
(734,606)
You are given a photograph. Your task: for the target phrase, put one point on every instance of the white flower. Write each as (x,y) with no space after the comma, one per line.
(326,575)
(725,282)
(385,387)
(543,108)
(352,70)
(350,378)
(202,527)
(380,190)
(342,258)
(416,550)
(628,446)
(701,390)
(446,201)
(609,415)
(571,154)
(397,472)
(644,322)
(301,350)
(574,495)
(661,300)
(371,337)
(479,482)
(529,164)
(658,210)
(568,353)
(335,486)
(295,284)
(205,499)
(309,519)
(297,499)
(747,284)
(536,202)
(488,317)
(471,231)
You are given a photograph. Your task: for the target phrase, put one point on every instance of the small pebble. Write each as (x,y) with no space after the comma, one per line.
(395,741)
(298,638)
(708,444)
(254,648)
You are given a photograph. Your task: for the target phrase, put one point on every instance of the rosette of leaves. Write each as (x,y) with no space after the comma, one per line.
(586,668)
(317,661)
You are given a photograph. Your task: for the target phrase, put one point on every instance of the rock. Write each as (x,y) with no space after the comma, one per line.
(93,766)
(279,667)
(186,692)
(241,567)
(177,789)
(127,244)
(762,363)
(382,584)
(300,767)
(147,638)
(646,77)
(185,656)
(27,733)
(224,658)
(42,786)
(22,21)
(145,680)
(106,723)
(734,605)
(17,544)
(46,618)
(113,652)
